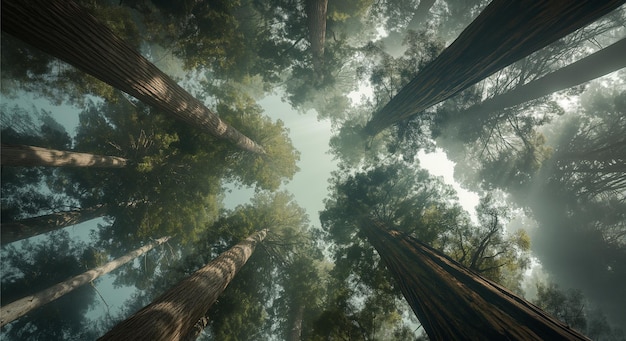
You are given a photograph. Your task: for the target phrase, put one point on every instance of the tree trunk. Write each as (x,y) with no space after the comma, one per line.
(21,307)
(503,33)
(603,62)
(453,303)
(67,31)
(30,156)
(295,334)
(172,315)
(316,22)
(17,230)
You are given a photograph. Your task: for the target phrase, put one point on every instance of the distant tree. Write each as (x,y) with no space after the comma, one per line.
(31,156)
(316,23)
(110,59)
(22,229)
(430,282)
(571,307)
(598,64)
(23,306)
(484,47)
(173,314)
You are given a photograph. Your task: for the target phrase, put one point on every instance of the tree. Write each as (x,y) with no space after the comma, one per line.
(596,65)
(21,307)
(479,308)
(173,314)
(316,23)
(33,267)
(60,28)
(571,307)
(490,43)
(30,227)
(31,156)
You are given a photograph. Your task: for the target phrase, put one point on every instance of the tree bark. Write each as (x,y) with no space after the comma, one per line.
(316,22)
(603,62)
(67,31)
(453,303)
(21,307)
(503,33)
(172,315)
(30,156)
(22,229)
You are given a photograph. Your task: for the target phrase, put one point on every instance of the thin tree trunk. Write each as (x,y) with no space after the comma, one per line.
(67,31)
(22,229)
(503,33)
(21,307)
(30,156)
(453,303)
(603,62)
(172,315)
(295,334)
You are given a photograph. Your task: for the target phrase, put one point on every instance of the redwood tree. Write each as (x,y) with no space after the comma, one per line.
(21,229)
(67,31)
(598,64)
(503,33)
(454,303)
(31,156)
(172,315)
(21,307)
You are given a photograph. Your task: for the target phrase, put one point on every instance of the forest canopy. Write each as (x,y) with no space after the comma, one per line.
(313,169)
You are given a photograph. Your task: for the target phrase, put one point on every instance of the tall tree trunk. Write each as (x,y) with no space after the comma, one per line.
(295,334)
(316,22)
(453,303)
(503,33)
(603,62)
(172,315)
(67,31)
(30,156)
(17,230)
(21,307)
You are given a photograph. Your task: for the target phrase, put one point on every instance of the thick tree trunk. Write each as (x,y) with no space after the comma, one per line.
(453,303)
(21,307)
(17,230)
(503,33)
(603,62)
(316,22)
(67,31)
(172,315)
(30,156)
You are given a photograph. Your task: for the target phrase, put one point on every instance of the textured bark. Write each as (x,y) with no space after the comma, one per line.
(67,31)
(316,22)
(603,62)
(30,156)
(17,230)
(21,307)
(453,303)
(172,315)
(503,33)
